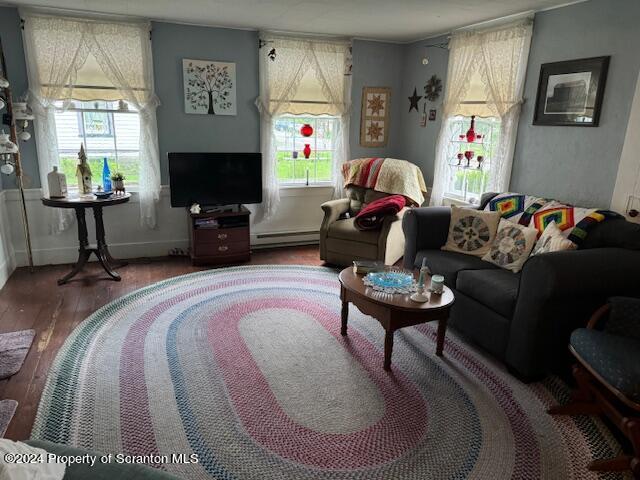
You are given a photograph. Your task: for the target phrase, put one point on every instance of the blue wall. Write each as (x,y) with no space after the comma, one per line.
(178,131)
(569,163)
(418,143)
(11,36)
(579,164)
(377,64)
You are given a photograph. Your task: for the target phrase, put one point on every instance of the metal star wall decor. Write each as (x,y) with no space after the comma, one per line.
(414,99)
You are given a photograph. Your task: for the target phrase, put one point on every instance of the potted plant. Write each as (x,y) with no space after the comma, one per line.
(118,182)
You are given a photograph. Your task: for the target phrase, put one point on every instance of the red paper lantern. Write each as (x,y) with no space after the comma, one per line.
(306,130)
(307,150)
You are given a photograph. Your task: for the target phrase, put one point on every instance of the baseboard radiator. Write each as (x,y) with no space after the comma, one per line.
(286,238)
(287,234)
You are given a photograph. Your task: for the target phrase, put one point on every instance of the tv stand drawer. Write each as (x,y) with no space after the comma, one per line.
(221,235)
(224,248)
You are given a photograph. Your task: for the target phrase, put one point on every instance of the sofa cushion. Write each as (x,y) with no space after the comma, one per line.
(349,251)
(495,289)
(615,358)
(346,230)
(450,263)
(616,233)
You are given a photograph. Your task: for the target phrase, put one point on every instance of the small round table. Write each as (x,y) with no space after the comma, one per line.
(393,311)
(79,204)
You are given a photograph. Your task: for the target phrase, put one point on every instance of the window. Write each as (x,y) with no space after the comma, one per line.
(485,79)
(88,77)
(302,80)
(106,130)
(291,165)
(467,179)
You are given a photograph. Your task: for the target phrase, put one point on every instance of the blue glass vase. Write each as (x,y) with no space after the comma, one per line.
(106,176)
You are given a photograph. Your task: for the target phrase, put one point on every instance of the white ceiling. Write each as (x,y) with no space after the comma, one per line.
(391,20)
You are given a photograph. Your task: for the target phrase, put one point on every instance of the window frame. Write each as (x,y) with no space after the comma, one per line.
(114,152)
(488,152)
(285,184)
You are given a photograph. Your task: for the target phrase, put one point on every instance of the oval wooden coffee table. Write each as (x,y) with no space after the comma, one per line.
(393,311)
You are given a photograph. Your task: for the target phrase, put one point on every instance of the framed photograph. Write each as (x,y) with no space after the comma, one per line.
(570,93)
(209,87)
(374,120)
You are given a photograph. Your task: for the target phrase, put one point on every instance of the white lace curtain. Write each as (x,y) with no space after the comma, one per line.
(321,61)
(495,60)
(56,48)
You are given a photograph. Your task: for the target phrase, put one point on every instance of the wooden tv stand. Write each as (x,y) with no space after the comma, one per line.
(220,236)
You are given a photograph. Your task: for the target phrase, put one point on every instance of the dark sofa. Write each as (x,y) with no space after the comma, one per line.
(525,319)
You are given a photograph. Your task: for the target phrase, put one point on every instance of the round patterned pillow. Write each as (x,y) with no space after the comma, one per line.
(471,233)
(510,244)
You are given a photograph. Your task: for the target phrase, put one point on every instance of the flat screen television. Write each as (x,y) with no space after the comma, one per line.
(215,178)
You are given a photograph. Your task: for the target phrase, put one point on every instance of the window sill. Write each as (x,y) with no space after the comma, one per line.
(324,191)
(448,201)
(289,186)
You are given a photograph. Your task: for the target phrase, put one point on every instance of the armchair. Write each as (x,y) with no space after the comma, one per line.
(608,375)
(341,242)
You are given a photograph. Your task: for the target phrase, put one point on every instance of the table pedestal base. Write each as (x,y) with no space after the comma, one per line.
(393,319)
(101,251)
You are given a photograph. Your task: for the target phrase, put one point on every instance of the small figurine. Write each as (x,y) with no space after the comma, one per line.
(83,173)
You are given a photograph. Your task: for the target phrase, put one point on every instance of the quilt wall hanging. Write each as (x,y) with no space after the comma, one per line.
(374,120)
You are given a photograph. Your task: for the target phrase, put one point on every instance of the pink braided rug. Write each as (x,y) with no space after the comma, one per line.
(245,368)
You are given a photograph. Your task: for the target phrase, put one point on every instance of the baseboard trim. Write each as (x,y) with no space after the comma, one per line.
(55,256)
(6,269)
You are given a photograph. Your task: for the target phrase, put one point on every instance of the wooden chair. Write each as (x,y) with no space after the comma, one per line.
(608,376)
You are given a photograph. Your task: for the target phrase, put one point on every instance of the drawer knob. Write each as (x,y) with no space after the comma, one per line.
(222,236)
(223,248)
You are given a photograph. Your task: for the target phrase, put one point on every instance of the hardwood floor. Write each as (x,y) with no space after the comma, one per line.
(34,300)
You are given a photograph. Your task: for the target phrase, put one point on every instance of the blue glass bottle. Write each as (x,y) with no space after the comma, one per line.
(106,176)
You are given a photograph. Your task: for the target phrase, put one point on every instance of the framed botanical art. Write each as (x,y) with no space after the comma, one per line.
(570,93)
(374,119)
(209,87)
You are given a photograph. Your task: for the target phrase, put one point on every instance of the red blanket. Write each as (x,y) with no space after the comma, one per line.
(372,216)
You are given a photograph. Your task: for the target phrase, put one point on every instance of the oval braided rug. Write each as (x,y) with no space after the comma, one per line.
(246,368)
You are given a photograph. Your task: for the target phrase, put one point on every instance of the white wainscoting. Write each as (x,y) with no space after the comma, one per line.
(7,256)
(297,222)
